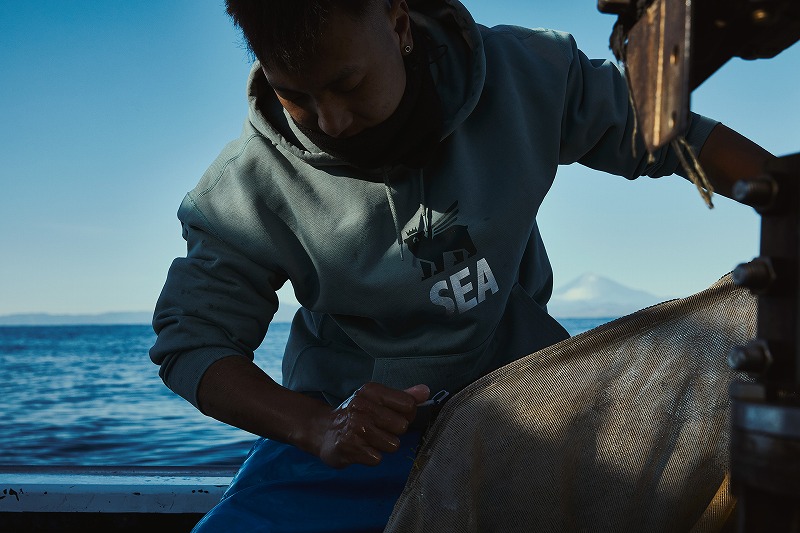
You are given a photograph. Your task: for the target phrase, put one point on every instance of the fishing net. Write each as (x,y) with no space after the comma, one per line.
(622,428)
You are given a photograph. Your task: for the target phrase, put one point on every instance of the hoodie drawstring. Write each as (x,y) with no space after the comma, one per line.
(392,208)
(428,230)
(425,219)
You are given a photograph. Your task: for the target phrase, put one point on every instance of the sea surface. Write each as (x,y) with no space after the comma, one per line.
(89,395)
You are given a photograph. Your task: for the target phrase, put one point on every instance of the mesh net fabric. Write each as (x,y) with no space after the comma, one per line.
(622,428)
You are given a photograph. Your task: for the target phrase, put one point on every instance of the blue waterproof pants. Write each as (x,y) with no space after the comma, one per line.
(281,489)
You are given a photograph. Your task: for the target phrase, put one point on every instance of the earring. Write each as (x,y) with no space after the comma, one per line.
(407,49)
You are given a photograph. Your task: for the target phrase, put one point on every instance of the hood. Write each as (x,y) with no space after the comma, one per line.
(458,68)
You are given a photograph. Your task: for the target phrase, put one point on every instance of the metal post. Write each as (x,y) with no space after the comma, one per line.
(765,416)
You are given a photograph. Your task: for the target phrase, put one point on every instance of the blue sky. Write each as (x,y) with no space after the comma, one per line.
(111,111)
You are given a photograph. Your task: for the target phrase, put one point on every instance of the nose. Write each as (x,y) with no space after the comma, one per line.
(333,119)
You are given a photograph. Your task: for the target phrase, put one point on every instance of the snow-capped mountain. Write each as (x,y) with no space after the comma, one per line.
(593,296)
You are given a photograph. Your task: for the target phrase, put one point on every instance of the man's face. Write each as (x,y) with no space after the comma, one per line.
(356,80)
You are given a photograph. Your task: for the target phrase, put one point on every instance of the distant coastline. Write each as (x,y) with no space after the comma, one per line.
(101,319)
(119,318)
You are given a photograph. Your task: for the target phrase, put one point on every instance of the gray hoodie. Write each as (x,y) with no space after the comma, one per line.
(434,275)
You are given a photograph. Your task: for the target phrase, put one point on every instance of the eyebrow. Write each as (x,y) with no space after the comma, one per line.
(342,75)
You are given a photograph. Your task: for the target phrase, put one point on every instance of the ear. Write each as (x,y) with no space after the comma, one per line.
(401,20)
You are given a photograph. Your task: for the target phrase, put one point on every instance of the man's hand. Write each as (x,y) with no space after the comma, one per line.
(237,392)
(368,424)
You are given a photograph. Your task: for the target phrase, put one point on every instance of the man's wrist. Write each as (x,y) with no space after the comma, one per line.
(309,424)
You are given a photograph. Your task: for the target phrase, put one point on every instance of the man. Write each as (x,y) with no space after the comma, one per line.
(391,167)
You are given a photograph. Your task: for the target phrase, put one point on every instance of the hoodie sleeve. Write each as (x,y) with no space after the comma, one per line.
(215,303)
(598,121)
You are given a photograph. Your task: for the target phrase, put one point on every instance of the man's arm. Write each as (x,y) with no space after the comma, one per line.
(236,391)
(727,157)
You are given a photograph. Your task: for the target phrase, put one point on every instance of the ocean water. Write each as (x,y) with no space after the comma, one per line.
(89,395)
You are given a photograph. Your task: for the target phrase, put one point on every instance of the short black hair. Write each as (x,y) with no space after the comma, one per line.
(285,33)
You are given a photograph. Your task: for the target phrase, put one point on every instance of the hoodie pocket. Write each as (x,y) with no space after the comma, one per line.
(450,372)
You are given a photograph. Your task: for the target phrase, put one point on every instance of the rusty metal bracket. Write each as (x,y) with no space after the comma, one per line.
(657,65)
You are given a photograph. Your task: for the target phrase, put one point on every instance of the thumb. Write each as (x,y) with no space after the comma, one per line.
(419,392)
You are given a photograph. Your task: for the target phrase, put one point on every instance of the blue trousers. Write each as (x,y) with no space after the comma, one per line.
(281,489)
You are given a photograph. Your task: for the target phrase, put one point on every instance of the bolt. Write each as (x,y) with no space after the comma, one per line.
(675,56)
(752,357)
(758,193)
(760,16)
(757,275)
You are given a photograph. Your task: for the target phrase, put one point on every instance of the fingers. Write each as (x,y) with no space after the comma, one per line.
(389,410)
(420,393)
(355,438)
(369,423)
(365,444)
(395,400)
